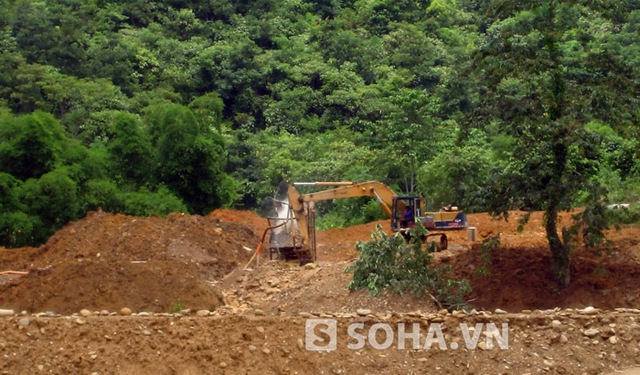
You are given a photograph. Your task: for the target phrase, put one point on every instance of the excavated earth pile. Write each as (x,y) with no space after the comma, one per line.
(107,262)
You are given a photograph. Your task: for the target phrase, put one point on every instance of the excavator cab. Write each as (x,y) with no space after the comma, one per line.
(405,211)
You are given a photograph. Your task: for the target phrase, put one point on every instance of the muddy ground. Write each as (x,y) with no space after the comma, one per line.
(114,294)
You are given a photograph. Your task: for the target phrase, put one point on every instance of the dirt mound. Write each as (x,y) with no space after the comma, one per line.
(339,243)
(107,261)
(517,275)
(520,278)
(284,288)
(249,219)
(513,277)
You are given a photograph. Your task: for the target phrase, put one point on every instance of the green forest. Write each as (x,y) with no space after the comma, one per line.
(151,107)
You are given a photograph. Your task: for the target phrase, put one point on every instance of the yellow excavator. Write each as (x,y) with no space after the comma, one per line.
(293,229)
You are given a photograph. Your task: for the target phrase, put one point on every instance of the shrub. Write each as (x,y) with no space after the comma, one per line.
(17,229)
(400,266)
(621,214)
(146,203)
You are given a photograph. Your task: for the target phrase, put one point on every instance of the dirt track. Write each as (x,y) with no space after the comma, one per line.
(196,311)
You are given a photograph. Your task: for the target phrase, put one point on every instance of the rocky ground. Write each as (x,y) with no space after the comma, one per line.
(112,294)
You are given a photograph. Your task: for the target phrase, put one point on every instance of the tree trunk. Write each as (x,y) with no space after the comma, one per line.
(560,263)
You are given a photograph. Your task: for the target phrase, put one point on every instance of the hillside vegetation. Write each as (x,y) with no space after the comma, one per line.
(151,107)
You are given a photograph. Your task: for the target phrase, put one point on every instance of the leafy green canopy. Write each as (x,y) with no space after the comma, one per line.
(540,94)
(391,263)
(190,156)
(31,146)
(49,179)
(258,92)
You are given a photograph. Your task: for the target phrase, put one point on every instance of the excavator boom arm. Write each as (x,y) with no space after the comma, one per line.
(383,193)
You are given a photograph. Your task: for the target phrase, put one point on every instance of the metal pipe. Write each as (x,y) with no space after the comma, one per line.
(338,183)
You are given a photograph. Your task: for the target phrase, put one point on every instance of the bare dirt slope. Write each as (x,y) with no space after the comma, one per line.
(196,310)
(107,261)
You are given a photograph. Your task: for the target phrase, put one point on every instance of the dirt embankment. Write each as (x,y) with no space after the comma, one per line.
(254,320)
(107,261)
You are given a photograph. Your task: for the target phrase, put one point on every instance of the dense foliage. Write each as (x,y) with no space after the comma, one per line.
(155,106)
(402,266)
(544,78)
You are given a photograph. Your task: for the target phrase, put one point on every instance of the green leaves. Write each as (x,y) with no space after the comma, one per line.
(53,197)
(541,72)
(130,150)
(190,156)
(48,179)
(458,175)
(391,263)
(30,145)
(145,203)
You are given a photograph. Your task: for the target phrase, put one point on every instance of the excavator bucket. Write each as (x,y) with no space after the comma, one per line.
(285,238)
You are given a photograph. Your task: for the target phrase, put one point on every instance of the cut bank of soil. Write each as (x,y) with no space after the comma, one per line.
(106,262)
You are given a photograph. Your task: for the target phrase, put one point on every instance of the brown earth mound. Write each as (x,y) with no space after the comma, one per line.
(520,278)
(107,261)
(517,274)
(248,219)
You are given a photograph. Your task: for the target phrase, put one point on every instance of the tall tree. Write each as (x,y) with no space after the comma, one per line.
(130,150)
(532,94)
(190,157)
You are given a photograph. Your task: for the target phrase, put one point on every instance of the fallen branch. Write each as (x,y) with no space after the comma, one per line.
(13,273)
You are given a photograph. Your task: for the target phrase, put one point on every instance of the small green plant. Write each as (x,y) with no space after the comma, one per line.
(600,272)
(486,249)
(400,266)
(176,306)
(483,271)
